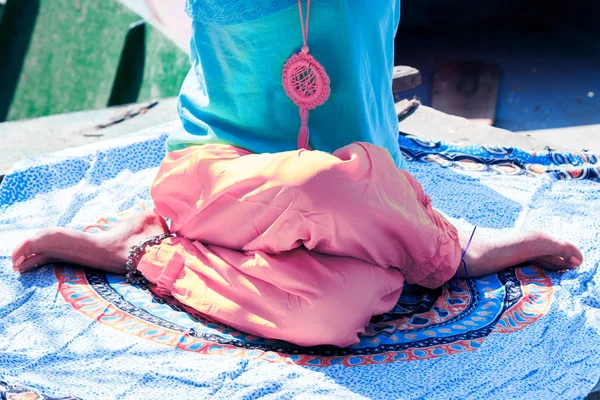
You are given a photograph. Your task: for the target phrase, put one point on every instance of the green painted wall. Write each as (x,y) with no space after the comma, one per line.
(165,68)
(71,57)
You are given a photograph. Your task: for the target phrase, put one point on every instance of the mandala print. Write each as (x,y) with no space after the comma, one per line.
(502,160)
(426,323)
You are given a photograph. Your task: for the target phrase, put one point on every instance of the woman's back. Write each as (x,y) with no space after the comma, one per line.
(234,93)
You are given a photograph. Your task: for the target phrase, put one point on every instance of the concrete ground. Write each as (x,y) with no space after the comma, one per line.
(26,138)
(428,123)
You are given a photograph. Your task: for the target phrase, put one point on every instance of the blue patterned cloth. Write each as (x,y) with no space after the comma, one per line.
(518,334)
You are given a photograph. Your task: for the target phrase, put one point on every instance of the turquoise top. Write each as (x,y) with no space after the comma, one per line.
(234,93)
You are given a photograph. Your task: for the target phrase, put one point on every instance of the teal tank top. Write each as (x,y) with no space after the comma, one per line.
(234,92)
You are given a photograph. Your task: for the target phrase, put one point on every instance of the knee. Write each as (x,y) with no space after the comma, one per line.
(299,168)
(319,177)
(330,320)
(322,330)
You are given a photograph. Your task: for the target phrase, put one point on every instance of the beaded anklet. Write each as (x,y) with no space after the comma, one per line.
(135,254)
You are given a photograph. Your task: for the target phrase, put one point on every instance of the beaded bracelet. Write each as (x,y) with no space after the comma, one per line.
(135,254)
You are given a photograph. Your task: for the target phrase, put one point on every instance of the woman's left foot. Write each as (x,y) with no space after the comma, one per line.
(107,251)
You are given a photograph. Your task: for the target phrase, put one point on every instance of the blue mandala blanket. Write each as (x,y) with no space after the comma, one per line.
(521,333)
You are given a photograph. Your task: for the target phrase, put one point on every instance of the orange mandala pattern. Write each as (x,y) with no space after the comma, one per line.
(425,323)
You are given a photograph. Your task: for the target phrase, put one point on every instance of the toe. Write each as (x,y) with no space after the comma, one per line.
(553,263)
(38,243)
(33,262)
(571,254)
(541,244)
(21,252)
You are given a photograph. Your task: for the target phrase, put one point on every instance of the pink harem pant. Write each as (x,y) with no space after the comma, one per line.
(302,246)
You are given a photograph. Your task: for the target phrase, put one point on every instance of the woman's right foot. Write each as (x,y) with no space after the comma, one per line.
(106,251)
(485,257)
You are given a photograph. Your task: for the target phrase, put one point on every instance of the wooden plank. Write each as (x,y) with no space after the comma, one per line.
(405,78)
(467,89)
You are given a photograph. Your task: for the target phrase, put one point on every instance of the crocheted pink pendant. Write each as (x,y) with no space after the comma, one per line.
(307,84)
(305,81)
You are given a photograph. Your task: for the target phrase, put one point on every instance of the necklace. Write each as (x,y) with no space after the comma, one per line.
(305,80)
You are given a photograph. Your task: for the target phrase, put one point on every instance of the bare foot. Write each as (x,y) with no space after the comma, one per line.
(107,251)
(485,257)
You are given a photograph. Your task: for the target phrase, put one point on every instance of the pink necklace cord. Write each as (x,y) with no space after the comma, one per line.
(305,81)
(302,25)
(303,135)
